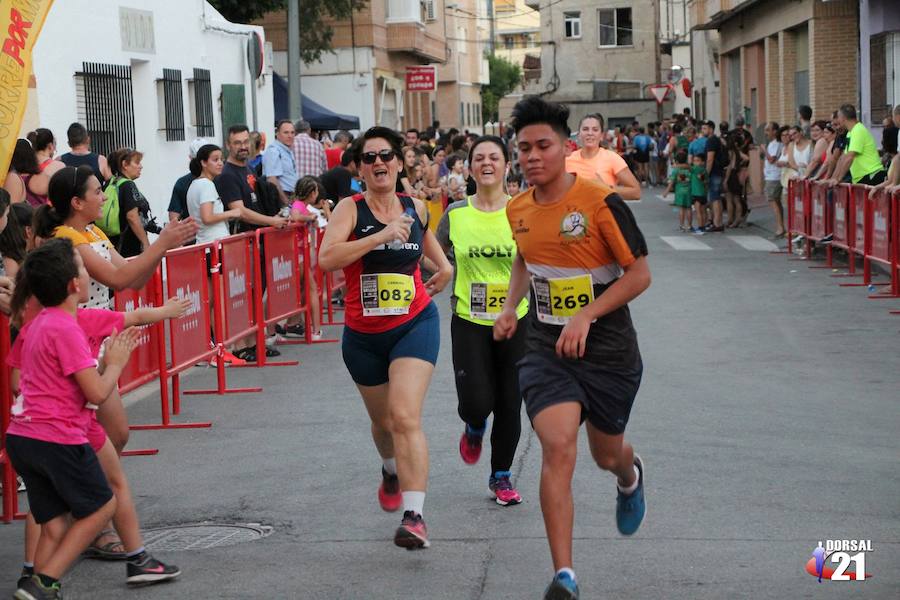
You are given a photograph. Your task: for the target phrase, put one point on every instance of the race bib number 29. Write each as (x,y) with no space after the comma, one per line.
(486,300)
(558,300)
(385,294)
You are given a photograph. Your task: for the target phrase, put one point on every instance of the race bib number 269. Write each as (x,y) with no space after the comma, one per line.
(557,300)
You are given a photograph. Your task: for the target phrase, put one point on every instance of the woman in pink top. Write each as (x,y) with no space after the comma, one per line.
(596,163)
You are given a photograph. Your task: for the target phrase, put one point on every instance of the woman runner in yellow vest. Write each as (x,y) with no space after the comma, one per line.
(476,236)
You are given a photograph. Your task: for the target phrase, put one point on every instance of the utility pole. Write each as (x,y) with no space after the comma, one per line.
(490,11)
(295,105)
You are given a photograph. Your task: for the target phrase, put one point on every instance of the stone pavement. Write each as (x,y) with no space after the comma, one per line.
(768,420)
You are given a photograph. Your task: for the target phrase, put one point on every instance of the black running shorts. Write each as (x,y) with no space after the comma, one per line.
(605,394)
(60,478)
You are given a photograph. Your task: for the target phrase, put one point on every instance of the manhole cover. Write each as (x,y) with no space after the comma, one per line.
(202,536)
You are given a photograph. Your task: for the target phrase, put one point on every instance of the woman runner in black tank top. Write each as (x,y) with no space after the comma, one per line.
(392,329)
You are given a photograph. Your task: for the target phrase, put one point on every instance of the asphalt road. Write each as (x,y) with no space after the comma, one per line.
(768,420)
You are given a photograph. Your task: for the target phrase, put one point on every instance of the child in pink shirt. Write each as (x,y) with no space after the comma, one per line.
(98,325)
(48,440)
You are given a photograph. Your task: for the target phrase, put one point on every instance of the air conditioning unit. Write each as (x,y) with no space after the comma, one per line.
(428,5)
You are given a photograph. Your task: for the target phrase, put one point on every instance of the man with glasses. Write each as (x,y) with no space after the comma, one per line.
(278,161)
(237,189)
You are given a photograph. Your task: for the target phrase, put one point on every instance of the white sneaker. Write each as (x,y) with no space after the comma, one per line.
(317,336)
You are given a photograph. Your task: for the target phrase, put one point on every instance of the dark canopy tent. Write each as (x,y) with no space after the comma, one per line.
(317,115)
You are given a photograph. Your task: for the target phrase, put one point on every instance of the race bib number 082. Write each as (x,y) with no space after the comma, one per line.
(385,294)
(557,300)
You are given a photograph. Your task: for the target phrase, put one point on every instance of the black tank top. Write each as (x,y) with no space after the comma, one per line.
(384,259)
(92,159)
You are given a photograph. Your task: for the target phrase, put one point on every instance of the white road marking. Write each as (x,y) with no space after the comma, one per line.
(684,243)
(753,243)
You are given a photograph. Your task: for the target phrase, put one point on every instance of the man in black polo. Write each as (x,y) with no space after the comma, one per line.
(237,189)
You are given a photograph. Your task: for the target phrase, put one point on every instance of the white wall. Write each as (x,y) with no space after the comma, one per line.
(180,43)
(705,71)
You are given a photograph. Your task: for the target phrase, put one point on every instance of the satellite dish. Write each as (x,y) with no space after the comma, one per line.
(676,73)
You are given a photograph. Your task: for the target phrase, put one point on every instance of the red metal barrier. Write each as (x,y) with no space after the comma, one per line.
(190,341)
(327,287)
(861,232)
(281,249)
(895,238)
(143,366)
(882,244)
(312,272)
(233,310)
(821,218)
(844,225)
(10,504)
(798,214)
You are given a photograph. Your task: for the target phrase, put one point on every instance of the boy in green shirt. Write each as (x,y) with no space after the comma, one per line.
(698,190)
(680,181)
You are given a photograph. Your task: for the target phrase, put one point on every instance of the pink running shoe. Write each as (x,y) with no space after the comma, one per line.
(412,533)
(389,496)
(505,493)
(470,445)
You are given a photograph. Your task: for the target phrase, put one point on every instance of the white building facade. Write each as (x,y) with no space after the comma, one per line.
(148,75)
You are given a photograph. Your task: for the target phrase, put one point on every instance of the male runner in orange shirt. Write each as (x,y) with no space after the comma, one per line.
(584,258)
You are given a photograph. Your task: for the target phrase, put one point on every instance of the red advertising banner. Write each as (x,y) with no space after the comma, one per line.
(881,224)
(841,214)
(144,363)
(282,275)
(819,225)
(186,278)
(860,195)
(237,277)
(421,79)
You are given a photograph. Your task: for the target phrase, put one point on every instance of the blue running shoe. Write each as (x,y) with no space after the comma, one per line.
(630,508)
(563,587)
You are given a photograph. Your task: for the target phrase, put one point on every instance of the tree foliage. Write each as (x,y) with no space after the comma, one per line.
(505,77)
(315,33)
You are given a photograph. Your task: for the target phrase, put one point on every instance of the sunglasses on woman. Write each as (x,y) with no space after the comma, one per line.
(384,155)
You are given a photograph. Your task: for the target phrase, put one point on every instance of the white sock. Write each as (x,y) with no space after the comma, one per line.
(390,465)
(630,489)
(414,501)
(568,571)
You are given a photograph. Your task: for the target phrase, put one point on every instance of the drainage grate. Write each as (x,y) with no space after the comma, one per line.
(202,536)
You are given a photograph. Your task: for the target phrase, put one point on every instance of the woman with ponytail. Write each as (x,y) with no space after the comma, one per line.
(76,201)
(203,201)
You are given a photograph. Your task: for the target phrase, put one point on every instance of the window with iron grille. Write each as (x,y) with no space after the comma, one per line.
(200,88)
(106,105)
(171,105)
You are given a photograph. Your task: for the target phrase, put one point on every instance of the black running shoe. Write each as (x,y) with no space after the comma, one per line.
(150,571)
(33,589)
(412,533)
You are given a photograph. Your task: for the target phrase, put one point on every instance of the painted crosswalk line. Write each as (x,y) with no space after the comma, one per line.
(684,243)
(753,243)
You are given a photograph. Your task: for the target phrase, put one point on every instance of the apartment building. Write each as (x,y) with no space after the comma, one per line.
(879,54)
(600,56)
(517,31)
(365,75)
(774,56)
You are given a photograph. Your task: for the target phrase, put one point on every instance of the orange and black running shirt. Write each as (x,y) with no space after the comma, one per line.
(574,249)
